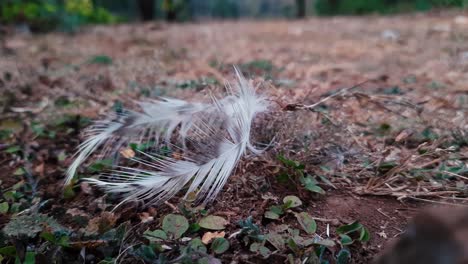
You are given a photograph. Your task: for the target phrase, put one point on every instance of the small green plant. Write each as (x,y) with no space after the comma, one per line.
(276,211)
(296,171)
(264,68)
(101,59)
(213,222)
(171,240)
(198,84)
(24,230)
(353,232)
(250,231)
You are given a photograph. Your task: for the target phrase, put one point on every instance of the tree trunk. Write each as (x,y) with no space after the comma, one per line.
(146,9)
(301,8)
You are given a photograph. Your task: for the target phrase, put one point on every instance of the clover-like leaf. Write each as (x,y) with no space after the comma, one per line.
(310,184)
(325,242)
(271,215)
(307,222)
(292,201)
(197,245)
(4,207)
(276,240)
(176,225)
(343,256)
(156,235)
(346,229)
(364,236)
(292,245)
(220,245)
(346,240)
(261,249)
(213,222)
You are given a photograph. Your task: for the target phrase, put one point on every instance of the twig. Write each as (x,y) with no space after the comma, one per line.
(382,213)
(437,202)
(455,175)
(173,207)
(294,107)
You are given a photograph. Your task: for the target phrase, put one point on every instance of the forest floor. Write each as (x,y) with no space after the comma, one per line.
(373,155)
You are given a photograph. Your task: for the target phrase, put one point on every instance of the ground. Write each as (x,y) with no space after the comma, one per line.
(381,151)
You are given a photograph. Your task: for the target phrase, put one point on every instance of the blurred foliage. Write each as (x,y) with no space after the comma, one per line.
(69,15)
(361,7)
(46,15)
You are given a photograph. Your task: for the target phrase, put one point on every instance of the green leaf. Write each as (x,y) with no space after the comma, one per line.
(100,165)
(346,240)
(294,232)
(220,245)
(30,258)
(13,149)
(302,241)
(101,59)
(8,251)
(255,246)
(146,253)
(156,235)
(282,178)
(343,256)
(15,208)
(271,215)
(310,184)
(325,242)
(48,236)
(194,228)
(196,244)
(292,245)
(213,222)
(315,188)
(264,251)
(277,209)
(4,207)
(307,222)
(364,236)
(291,163)
(68,192)
(176,225)
(19,172)
(346,229)
(276,240)
(63,241)
(259,248)
(61,156)
(292,201)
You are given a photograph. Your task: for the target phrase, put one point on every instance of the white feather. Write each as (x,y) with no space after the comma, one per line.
(218,135)
(160,118)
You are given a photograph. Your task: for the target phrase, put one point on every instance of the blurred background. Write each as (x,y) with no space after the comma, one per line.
(68,15)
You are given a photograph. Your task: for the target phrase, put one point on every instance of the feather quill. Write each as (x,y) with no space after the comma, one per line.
(214,137)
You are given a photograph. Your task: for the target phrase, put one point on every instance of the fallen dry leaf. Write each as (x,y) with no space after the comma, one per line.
(101,223)
(403,135)
(127,153)
(209,236)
